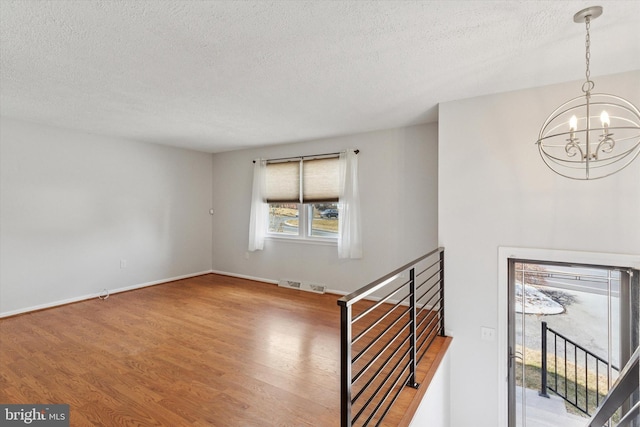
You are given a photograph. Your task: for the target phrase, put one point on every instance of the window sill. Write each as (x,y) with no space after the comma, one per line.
(305,241)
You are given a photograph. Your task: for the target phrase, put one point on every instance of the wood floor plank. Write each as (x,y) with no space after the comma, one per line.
(210,350)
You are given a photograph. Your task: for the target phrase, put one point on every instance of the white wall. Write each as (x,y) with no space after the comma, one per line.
(398,185)
(494,190)
(74,204)
(434,410)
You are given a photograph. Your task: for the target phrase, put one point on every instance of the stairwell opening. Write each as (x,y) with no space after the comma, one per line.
(570,328)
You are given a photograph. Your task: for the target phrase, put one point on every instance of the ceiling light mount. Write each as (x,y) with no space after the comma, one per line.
(577,139)
(591,12)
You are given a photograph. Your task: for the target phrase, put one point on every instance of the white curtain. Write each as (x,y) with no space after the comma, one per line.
(259,208)
(349,229)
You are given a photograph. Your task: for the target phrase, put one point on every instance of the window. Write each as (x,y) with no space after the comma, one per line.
(299,199)
(302,197)
(315,220)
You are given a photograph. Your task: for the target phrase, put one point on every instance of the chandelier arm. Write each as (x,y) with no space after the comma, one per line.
(573,147)
(599,163)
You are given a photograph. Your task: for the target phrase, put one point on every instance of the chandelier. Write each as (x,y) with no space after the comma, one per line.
(594,135)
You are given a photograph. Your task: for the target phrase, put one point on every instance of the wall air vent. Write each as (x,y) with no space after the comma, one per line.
(303,286)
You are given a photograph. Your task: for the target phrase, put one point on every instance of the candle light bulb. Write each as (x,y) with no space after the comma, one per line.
(573,123)
(604,118)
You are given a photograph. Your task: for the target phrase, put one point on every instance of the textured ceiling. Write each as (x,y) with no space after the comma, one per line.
(217,76)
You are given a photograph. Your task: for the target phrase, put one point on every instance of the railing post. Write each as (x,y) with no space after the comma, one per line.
(543,379)
(442,292)
(345,364)
(412,330)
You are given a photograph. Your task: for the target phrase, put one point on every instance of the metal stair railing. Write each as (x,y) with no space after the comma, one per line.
(564,377)
(383,341)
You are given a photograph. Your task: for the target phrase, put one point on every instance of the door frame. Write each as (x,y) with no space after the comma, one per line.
(542,255)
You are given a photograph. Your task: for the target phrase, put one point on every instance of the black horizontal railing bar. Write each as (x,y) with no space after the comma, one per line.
(434,315)
(429,278)
(372,287)
(389,375)
(377,372)
(436,262)
(428,291)
(370,309)
(370,363)
(427,302)
(433,322)
(386,395)
(393,307)
(581,347)
(377,322)
(377,355)
(389,391)
(380,352)
(378,389)
(431,335)
(432,325)
(379,336)
(433,307)
(386,411)
(379,303)
(428,345)
(435,318)
(426,333)
(424,313)
(437,282)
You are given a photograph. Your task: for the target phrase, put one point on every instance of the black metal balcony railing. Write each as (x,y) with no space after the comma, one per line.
(383,341)
(575,373)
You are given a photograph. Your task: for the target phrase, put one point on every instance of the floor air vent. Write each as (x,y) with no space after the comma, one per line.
(303,286)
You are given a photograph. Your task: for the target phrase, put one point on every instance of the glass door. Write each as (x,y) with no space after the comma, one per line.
(571,329)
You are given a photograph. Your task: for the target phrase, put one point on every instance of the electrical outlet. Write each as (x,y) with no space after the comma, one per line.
(487,334)
(123,263)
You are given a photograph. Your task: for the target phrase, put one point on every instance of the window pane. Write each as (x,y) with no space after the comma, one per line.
(283,218)
(324,220)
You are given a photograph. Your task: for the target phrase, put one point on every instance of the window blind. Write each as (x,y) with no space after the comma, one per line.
(283,182)
(316,178)
(320,181)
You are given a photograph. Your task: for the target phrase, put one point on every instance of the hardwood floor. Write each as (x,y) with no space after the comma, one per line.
(206,351)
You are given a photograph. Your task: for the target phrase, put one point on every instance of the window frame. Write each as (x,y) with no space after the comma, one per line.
(305,210)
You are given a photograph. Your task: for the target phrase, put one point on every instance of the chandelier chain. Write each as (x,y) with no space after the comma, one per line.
(588,84)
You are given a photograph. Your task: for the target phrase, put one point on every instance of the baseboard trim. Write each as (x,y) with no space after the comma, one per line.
(244,276)
(269,281)
(328,291)
(90,296)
